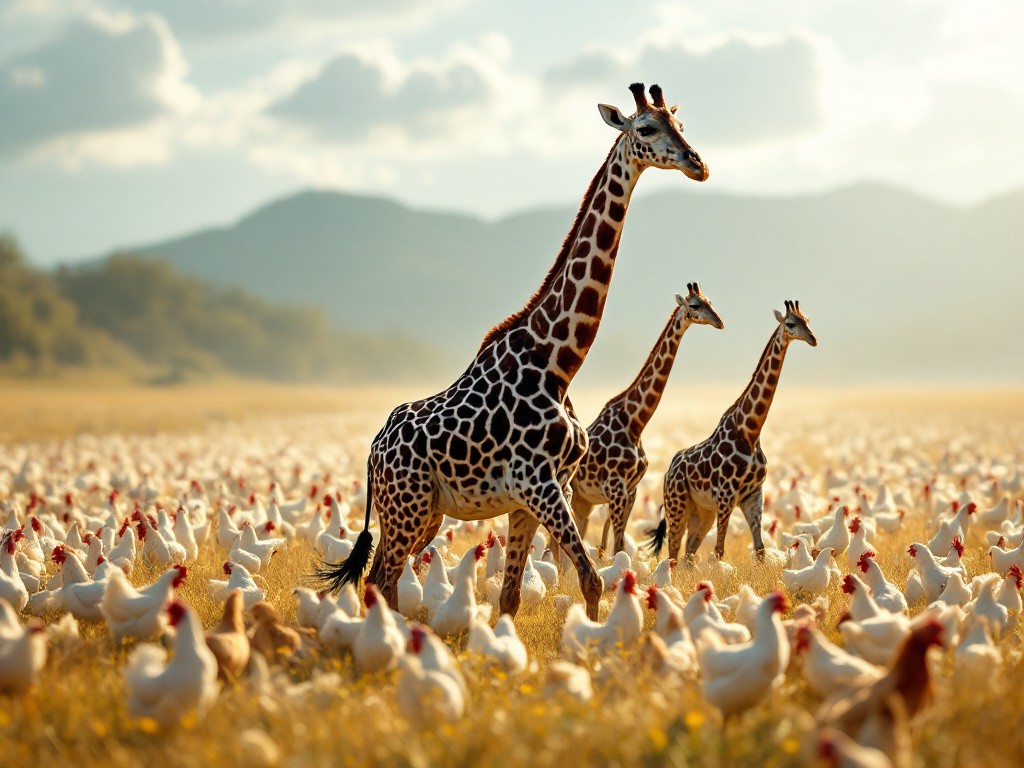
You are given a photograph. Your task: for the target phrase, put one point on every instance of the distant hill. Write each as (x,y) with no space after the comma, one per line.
(899,289)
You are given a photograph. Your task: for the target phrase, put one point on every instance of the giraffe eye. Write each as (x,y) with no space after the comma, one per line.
(789,325)
(646,130)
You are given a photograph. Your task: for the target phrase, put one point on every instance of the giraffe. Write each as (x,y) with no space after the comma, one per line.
(705,482)
(616,461)
(503,437)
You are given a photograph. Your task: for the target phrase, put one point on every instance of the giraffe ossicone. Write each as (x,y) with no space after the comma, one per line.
(704,483)
(503,438)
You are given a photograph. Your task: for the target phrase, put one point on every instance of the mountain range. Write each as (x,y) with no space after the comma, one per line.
(899,289)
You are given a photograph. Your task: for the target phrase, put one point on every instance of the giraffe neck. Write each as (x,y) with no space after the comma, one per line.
(640,399)
(751,409)
(563,316)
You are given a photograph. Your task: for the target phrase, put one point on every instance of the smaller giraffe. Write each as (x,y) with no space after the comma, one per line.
(616,462)
(705,482)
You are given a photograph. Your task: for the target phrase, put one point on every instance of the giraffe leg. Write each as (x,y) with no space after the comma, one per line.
(581,509)
(753,508)
(547,501)
(429,532)
(698,523)
(723,528)
(619,512)
(521,527)
(678,506)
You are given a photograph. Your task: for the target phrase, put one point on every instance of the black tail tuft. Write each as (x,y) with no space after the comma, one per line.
(334,576)
(657,540)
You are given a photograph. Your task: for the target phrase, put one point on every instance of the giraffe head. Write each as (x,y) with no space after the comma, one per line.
(696,308)
(794,324)
(653,134)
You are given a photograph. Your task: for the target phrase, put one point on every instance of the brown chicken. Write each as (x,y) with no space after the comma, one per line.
(878,715)
(270,637)
(228,641)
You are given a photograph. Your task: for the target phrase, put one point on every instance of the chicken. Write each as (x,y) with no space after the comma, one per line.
(886,594)
(932,577)
(837,537)
(862,604)
(434,654)
(125,551)
(166,691)
(621,562)
(238,578)
(567,679)
(427,698)
(956,592)
(679,653)
(877,715)
(22,651)
(454,615)
(533,589)
(736,677)
(380,642)
(185,536)
(270,637)
(467,566)
(814,579)
(1003,559)
(307,610)
(1009,591)
(139,613)
(827,667)
(701,614)
(156,549)
(986,606)
(495,556)
(837,750)
(228,641)
(877,639)
(624,624)
(436,587)
(500,647)
(263,549)
(410,591)
(78,593)
(12,586)
(858,542)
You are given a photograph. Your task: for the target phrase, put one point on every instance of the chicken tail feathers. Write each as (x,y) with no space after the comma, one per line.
(657,540)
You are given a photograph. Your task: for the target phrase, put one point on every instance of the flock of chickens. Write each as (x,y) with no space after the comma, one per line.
(870,563)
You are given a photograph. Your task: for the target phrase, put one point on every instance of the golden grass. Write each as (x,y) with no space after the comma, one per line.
(76,715)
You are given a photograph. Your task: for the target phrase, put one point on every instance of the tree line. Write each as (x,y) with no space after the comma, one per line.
(133,312)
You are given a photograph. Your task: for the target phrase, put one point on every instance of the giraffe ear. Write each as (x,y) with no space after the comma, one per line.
(679,300)
(674,108)
(613,117)
(779,316)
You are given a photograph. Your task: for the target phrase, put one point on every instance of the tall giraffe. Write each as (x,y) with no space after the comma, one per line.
(503,437)
(706,482)
(616,461)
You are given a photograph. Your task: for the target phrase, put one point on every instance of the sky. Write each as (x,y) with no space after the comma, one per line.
(129,121)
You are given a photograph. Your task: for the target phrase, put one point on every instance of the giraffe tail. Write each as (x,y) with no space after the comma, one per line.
(657,540)
(334,576)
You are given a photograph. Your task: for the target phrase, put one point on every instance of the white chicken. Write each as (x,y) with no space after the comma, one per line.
(828,668)
(876,640)
(455,614)
(581,636)
(931,577)
(166,691)
(837,537)
(139,613)
(701,615)
(78,593)
(566,679)
(410,591)
(886,594)
(533,589)
(736,677)
(427,698)
(238,578)
(12,586)
(380,642)
(500,647)
(436,587)
(22,651)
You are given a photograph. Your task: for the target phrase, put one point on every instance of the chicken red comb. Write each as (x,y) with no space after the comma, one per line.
(68,499)
(958,545)
(9,538)
(180,578)
(862,563)
(803,638)
(779,602)
(773,526)
(427,558)
(1016,573)
(227,567)
(491,539)
(849,585)
(972,508)
(252,498)
(269,526)
(328,499)
(629,582)
(36,525)
(707,588)
(176,611)
(450,535)
(416,635)
(855,525)
(59,555)
(480,551)
(370,596)
(912,550)
(652,597)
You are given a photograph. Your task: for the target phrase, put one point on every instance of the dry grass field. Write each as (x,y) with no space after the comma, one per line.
(76,714)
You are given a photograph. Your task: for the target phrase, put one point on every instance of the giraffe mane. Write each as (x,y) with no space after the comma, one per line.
(516,319)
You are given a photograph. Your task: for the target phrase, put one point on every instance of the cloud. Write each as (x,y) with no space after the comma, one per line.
(100,74)
(353,96)
(738,92)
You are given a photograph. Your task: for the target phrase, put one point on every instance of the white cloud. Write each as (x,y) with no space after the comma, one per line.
(102,89)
